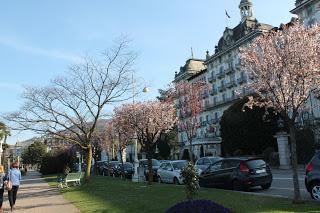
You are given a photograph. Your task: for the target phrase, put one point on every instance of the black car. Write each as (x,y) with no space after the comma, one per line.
(237,174)
(155,167)
(109,168)
(100,165)
(128,170)
(312,178)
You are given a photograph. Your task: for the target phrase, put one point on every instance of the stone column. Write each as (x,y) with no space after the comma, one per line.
(284,150)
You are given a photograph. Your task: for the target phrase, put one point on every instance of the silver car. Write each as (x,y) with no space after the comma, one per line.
(170,172)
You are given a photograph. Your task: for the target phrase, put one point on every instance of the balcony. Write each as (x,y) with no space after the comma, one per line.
(212,79)
(230,70)
(231,84)
(221,74)
(222,88)
(203,123)
(205,95)
(242,80)
(213,91)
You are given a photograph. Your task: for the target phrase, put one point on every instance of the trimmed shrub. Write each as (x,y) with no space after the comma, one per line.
(191,180)
(197,206)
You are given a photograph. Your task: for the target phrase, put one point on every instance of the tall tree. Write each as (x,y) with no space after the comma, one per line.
(148,120)
(284,65)
(4,132)
(70,107)
(188,97)
(34,153)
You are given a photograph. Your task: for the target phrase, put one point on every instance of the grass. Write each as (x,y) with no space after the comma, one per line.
(109,195)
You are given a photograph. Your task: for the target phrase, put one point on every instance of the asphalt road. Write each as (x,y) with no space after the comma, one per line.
(282,185)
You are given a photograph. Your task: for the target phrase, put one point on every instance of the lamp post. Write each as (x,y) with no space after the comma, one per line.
(135,177)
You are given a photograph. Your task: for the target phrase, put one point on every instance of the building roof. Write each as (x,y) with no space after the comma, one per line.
(301,4)
(191,67)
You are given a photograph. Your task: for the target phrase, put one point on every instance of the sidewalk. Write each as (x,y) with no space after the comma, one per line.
(35,195)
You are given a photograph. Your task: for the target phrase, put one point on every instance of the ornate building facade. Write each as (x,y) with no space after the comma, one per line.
(221,71)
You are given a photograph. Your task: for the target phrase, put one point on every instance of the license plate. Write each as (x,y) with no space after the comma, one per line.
(259,171)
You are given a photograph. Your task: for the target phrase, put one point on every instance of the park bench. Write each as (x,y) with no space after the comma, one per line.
(71,177)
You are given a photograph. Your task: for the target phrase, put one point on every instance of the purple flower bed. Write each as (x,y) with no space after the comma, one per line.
(197,206)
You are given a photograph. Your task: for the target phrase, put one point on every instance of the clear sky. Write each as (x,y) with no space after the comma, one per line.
(40,39)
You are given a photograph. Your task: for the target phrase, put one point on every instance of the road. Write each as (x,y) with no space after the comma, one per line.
(282,185)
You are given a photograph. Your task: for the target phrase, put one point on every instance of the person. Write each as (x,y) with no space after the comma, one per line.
(14,176)
(2,180)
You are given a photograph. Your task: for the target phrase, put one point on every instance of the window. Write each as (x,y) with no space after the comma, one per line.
(200,161)
(206,161)
(215,167)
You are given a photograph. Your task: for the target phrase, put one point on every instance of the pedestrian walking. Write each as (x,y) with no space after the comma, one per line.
(14,176)
(2,179)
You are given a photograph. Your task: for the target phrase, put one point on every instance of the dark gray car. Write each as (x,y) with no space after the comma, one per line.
(312,178)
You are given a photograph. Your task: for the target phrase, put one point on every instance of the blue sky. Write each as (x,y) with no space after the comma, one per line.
(40,39)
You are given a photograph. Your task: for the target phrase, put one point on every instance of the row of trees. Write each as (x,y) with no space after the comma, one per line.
(284,64)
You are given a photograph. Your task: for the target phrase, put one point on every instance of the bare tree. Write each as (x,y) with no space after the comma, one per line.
(70,107)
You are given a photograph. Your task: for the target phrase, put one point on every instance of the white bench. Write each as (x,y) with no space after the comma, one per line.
(71,177)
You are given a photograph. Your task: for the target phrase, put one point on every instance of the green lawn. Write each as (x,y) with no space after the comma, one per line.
(104,194)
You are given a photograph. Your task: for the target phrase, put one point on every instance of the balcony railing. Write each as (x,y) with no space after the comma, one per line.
(230,70)
(212,79)
(242,80)
(213,91)
(221,74)
(231,84)
(205,95)
(222,88)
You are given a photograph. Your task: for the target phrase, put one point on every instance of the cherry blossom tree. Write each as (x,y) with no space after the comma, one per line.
(148,120)
(188,98)
(284,65)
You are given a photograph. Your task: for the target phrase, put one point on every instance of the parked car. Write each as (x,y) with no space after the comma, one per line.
(155,166)
(312,178)
(237,174)
(204,162)
(100,165)
(128,170)
(170,172)
(163,161)
(109,169)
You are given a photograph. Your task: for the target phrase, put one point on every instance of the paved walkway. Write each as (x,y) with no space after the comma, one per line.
(35,196)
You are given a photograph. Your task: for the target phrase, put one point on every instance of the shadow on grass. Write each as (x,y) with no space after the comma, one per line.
(105,194)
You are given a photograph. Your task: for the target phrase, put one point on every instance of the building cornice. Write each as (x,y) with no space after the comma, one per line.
(235,45)
(301,6)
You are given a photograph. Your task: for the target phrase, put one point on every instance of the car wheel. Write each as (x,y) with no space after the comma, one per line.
(175,181)
(315,191)
(266,186)
(237,185)
(159,179)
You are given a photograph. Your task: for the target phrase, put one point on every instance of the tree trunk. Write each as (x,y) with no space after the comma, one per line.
(297,196)
(150,170)
(121,161)
(89,159)
(191,152)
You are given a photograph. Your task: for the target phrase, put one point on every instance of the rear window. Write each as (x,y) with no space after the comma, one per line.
(256,163)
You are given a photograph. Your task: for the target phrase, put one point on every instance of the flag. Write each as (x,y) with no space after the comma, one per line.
(227,14)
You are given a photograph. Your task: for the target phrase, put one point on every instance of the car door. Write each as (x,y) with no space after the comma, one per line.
(164,173)
(170,173)
(227,171)
(161,171)
(199,164)
(208,177)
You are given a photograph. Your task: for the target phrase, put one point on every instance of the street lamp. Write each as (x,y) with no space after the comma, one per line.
(135,177)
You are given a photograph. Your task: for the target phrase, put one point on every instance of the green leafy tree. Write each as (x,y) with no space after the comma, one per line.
(191,180)
(34,153)
(249,130)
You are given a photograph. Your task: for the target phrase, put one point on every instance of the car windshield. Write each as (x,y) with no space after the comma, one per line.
(114,163)
(155,162)
(214,159)
(179,165)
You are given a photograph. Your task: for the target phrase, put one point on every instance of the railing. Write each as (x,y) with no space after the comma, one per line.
(231,84)
(213,91)
(221,74)
(212,79)
(230,70)
(222,88)
(242,80)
